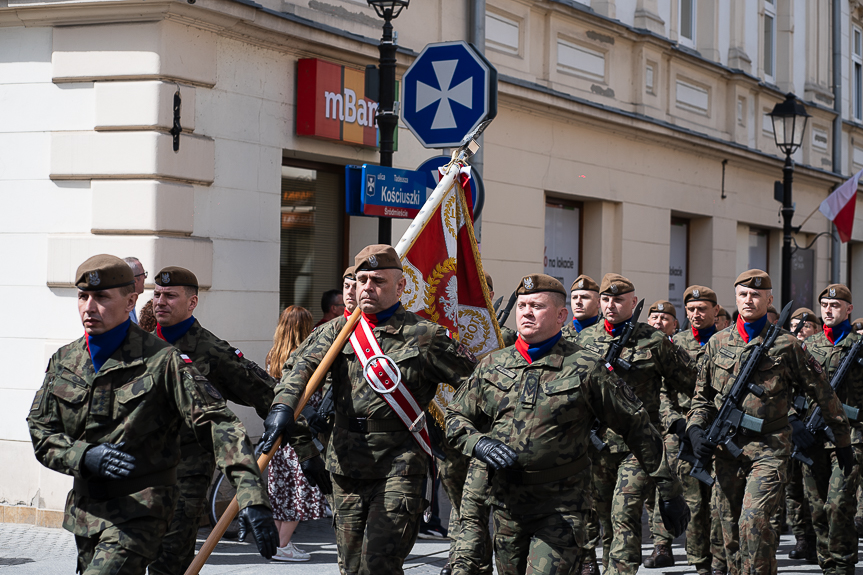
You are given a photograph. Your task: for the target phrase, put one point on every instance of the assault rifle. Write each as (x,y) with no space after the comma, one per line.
(503,315)
(731,418)
(815,422)
(497,304)
(612,358)
(325,411)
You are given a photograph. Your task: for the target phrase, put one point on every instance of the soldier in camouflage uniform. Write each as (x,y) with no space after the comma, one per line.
(584,299)
(109,413)
(829,491)
(377,467)
(750,485)
(662,315)
(527,412)
(237,379)
(621,484)
(704,547)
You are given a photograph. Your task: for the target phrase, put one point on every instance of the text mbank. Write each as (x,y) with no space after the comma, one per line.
(350,109)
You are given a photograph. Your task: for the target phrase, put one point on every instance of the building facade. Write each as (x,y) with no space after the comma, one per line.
(631,136)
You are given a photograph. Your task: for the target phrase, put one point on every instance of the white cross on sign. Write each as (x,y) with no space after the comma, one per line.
(427,95)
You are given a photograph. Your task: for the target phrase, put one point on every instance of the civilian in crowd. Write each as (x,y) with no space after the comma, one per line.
(140,275)
(332,305)
(293,497)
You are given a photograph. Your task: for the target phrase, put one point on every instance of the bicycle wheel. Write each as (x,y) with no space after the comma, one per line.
(220,496)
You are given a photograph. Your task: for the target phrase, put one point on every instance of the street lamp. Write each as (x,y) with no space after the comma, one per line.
(387,116)
(789,124)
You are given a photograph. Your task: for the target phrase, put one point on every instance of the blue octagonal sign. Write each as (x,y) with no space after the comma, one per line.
(448,90)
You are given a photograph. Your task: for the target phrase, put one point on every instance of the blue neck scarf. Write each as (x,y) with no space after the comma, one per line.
(103,345)
(378,318)
(615,330)
(580,325)
(702,336)
(174,332)
(836,334)
(538,350)
(752,329)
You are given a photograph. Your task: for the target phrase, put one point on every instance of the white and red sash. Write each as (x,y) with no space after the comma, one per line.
(384,376)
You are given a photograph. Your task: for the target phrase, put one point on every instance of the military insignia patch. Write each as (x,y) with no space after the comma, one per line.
(239,353)
(613,288)
(696,293)
(509,373)
(214,393)
(832,292)
(660,306)
(166,278)
(757,282)
(627,391)
(373,261)
(93,278)
(581,284)
(528,283)
(185,358)
(814,365)
(464,351)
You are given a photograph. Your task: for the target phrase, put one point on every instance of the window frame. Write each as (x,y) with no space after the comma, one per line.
(693,14)
(768,12)
(857,73)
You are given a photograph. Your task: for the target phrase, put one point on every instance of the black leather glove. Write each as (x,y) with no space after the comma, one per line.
(800,436)
(496,453)
(675,515)
(259,520)
(108,460)
(678,428)
(317,474)
(702,448)
(279,421)
(845,458)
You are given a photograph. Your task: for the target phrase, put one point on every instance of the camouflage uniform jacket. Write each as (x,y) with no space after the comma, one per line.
(829,357)
(237,378)
(425,355)
(544,411)
(508,335)
(141,396)
(674,405)
(786,372)
(655,360)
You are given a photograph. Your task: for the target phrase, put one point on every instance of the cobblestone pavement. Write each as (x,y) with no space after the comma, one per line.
(25,550)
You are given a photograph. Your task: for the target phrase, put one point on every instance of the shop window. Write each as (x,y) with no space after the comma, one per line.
(857,78)
(759,243)
(312,234)
(678,261)
(562,257)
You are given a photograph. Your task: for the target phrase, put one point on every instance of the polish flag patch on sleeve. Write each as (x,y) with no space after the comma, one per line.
(239,353)
(185,358)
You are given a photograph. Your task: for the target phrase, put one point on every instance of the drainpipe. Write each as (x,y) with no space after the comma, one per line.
(477,38)
(835,258)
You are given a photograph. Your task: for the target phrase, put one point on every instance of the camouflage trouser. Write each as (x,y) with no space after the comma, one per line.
(603,471)
(471,551)
(718,510)
(178,546)
(121,549)
(799,514)
(377,522)
(698,532)
(631,487)
(453,472)
(658,531)
(538,544)
(831,498)
(751,490)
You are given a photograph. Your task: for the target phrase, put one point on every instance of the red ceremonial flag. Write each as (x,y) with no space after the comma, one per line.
(839,207)
(445,281)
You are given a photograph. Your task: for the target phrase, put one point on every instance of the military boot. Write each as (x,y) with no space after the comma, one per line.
(804,550)
(661,557)
(589,567)
(858,524)
(446,569)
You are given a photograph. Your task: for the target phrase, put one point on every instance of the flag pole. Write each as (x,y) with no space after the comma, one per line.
(459,157)
(800,225)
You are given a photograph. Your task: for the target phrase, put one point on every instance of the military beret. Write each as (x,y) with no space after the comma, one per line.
(857,324)
(377,257)
(349,274)
(174,276)
(536,283)
(771,309)
(836,291)
(663,306)
(616,284)
(103,272)
(584,282)
(489,281)
(798,314)
(699,293)
(723,312)
(755,279)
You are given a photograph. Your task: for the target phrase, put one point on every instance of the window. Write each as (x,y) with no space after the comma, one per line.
(312,234)
(562,257)
(857,77)
(687,22)
(769,62)
(678,261)
(758,245)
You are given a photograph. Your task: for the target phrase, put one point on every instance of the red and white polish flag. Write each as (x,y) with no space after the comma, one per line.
(839,206)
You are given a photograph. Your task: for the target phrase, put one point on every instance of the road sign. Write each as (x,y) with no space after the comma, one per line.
(448,90)
(383,192)
(432,177)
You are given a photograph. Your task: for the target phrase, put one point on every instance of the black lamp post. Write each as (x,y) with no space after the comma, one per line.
(789,124)
(388,118)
